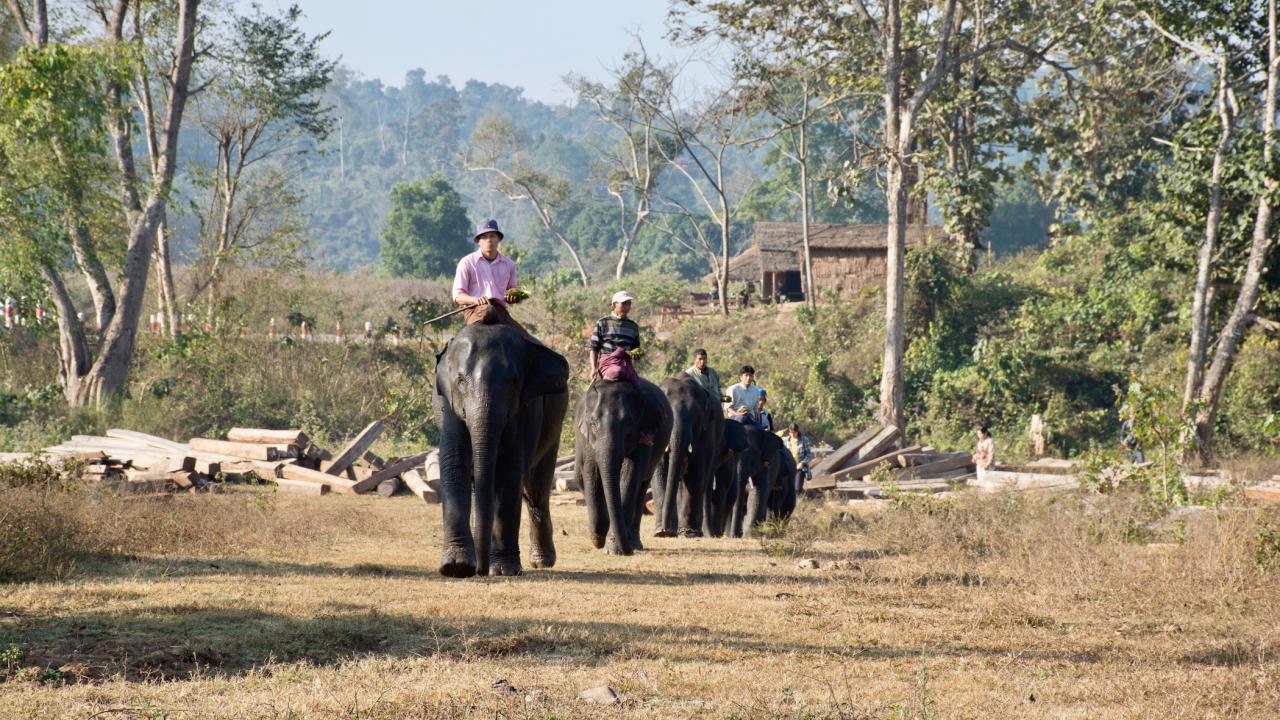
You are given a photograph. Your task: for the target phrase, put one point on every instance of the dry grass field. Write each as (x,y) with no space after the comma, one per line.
(971,607)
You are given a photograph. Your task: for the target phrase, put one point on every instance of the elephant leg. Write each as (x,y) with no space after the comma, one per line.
(456,482)
(537,496)
(659,482)
(593,490)
(504,559)
(738,508)
(632,496)
(692,498)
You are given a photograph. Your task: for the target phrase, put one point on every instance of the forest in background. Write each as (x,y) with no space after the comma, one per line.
(1136,137)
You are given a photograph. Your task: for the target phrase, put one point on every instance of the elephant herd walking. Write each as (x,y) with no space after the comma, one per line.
(501,402)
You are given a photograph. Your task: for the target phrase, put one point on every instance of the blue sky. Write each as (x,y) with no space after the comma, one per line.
(530,44)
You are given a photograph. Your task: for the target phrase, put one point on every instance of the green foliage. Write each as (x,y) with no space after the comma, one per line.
(1266,540)
(1163,434)
(427,230)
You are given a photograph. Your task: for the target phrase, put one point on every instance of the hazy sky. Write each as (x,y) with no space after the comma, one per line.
(530,43)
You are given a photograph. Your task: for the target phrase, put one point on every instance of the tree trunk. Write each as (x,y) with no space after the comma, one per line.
(95,276)
(1199,300)
(642,212)
(810,293)
(106,378)
(891,390)
(1232,333)
(73,355)
(724,256)
(164,279)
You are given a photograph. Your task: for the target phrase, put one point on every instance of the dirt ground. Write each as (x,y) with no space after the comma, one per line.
(918,616)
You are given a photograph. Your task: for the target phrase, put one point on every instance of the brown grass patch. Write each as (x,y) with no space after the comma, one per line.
(978,606)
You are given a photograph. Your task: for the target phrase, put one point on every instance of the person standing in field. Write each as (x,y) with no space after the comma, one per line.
(485,281)
(802,450)
(984,455)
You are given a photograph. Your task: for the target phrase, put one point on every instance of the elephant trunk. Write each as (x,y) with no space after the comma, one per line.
(667,506)
(486,432)
(609,459)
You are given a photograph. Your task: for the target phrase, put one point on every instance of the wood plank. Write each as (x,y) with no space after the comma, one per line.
(262,436)
(248,451)
(959,461)
(418,485)
(564,460)
(146,439)
(845,451)
(375,461)
(1268,492)
(866,466)
(390,471)
(920,458)
(302,487)
(431,468)
(297,472)
(883,442)
(993,480)
(355,448)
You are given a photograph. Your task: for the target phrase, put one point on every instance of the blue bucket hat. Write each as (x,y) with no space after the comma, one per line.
(488,226)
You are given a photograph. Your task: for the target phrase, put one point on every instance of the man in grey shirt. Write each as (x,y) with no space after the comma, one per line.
(705,376)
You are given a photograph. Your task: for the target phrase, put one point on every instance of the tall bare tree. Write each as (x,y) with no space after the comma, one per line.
(497,150)
(634,164)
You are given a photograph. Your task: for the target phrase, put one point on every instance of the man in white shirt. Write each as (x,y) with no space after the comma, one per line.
(744,396)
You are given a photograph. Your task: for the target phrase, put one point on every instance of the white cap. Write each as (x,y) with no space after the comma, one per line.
(622,296)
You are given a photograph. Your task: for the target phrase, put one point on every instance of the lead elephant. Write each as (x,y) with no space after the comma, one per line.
(682,477)
(500,402)
(611,463)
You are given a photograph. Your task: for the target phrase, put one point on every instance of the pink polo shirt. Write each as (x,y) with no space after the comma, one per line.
(478,277)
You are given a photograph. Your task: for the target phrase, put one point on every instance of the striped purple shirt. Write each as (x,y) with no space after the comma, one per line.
(478,277)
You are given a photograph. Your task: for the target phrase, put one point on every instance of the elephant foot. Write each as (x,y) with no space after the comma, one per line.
(636,544)
(663,532)
(544,558)
(597,540)
(458,563)
(690,533)
(615,546)
(505,568)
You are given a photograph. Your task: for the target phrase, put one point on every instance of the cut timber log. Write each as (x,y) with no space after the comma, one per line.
(289,471)
(958,462)
(375,461)
(355,448)
(418,486)
(1267,492)
(259,436)
(12,457)
(995,480)
(883,442)
(845,452)
(389,487)
(866,466)
(145,439)
(924,457)
(248,451)
(302,487)
(432,467)
(389,471)
(564,460)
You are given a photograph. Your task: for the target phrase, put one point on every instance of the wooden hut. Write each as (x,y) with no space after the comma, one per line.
(846,258)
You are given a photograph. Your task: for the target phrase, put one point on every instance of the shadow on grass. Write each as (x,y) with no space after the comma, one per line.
(184,642)
(160,568)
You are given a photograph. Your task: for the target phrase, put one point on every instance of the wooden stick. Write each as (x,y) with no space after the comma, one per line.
(389,471)
(249,451)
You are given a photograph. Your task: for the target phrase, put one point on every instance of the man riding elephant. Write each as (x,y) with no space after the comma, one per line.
(501,397)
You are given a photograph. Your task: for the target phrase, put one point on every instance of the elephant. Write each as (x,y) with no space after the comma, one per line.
(682,477)
(500,401)
(755,474)
(612,465)
(722,489)
(782,499)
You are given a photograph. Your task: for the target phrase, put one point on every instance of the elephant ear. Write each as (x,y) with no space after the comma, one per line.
(547,372)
